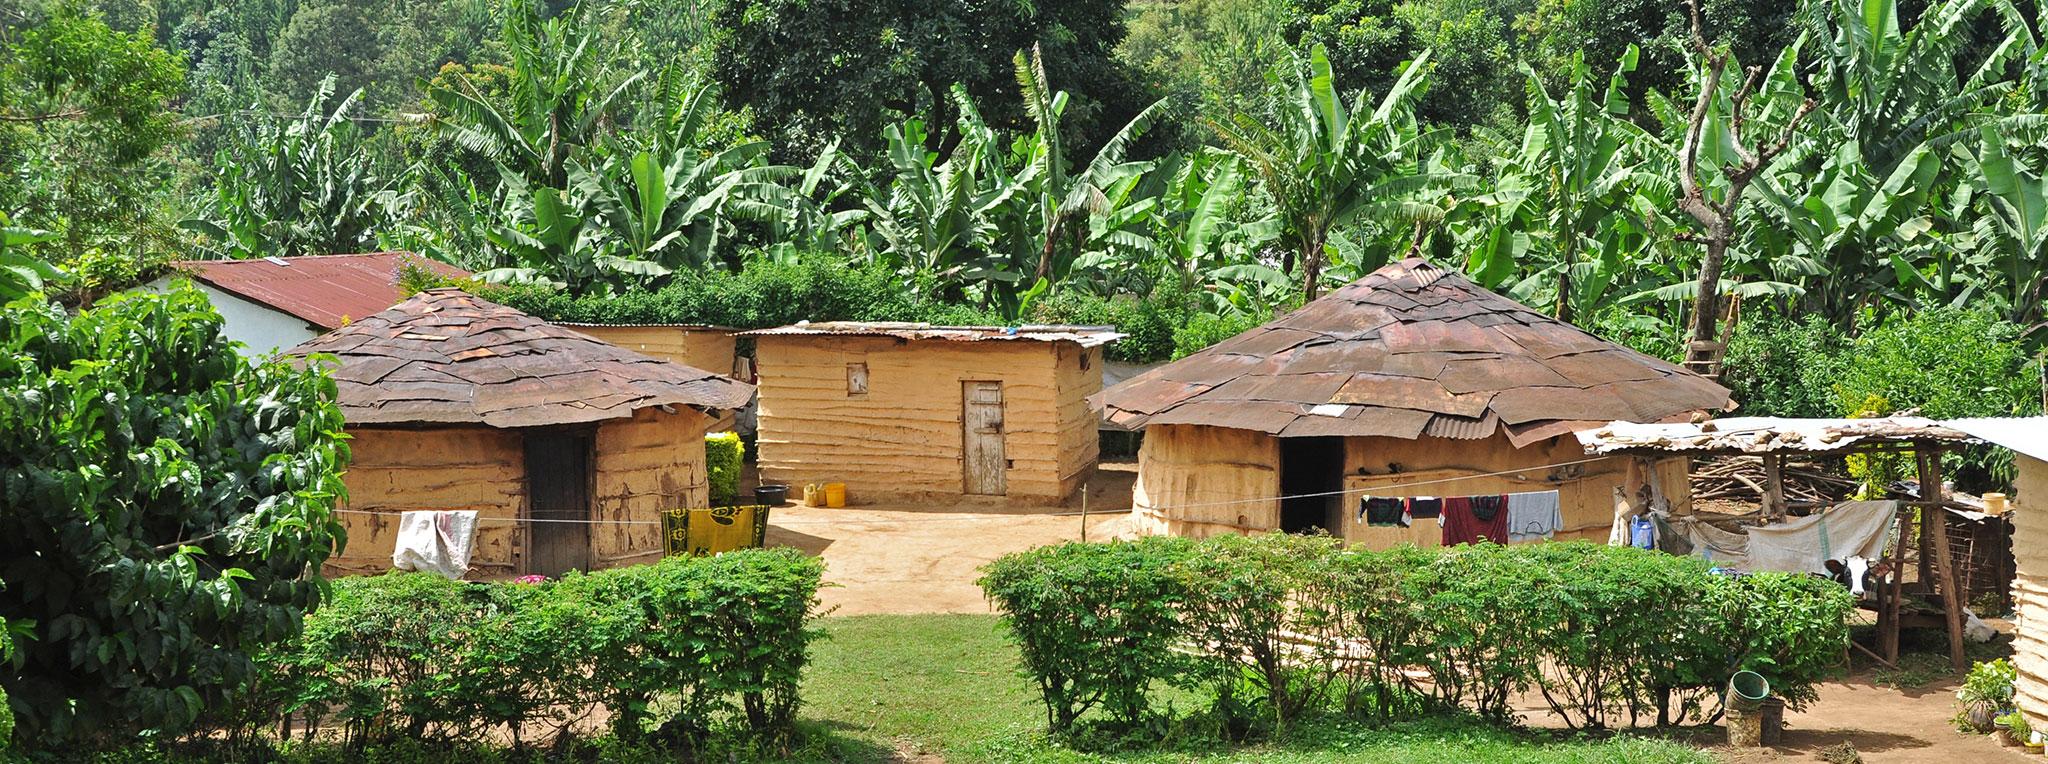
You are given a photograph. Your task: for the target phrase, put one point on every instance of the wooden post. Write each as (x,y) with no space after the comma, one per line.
(1774,488)
(1931,513)
(1084,514)
(1889,594)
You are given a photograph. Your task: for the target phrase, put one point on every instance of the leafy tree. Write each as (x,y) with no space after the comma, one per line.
(815,71)
(326,41)
(182,523)
(1326,163)
(83,110)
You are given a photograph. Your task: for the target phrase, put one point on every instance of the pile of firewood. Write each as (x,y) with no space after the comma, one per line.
(1741,478)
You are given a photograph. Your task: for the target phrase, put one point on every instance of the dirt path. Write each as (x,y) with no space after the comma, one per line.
(913,557)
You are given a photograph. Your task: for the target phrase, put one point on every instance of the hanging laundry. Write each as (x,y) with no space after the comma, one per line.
(1485,507)
(1533,516)
(435,541)
(1462,525)
(1382,511)
(1425,507)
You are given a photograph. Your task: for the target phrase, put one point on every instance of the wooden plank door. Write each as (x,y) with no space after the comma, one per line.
(558,488)
(981,418)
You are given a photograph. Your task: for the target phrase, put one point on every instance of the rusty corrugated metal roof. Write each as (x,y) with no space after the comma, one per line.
(446,357)
(323,290)
(1085,336)
(1412,349)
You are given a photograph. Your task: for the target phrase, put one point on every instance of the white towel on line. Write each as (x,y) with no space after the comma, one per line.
(437,541)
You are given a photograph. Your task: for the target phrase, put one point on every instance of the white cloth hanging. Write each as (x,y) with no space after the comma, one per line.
(438,541)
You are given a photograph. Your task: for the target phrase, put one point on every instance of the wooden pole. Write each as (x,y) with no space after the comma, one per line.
(1774,488)
(1084,514)
(1952,603)
(1890,592)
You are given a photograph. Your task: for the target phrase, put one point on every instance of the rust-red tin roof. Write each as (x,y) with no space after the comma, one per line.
(446,357)
(1412,350)
(324,290)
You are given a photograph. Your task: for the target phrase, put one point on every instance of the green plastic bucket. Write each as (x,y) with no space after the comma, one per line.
(1747,690)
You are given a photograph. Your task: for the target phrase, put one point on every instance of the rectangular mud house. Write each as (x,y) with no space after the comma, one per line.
(272,303)
(2028,439)
(1412,381)
(702,346)
(568,448)
(896,410)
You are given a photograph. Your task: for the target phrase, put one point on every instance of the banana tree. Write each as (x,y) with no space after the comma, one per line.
(1572,188)
(562,92)
(307,186)
(1326,164)
(931,216)
(1890,90)
(1846,227)
(1098,194)
(2013,232)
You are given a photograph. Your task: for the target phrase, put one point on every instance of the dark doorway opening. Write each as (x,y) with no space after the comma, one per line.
(1311,474)
(558,497)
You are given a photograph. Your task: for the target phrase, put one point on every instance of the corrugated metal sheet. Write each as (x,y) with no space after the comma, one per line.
(445,357)
(2027,435)
(1422,350)
(1085,336)
(323,290)
(1756,434)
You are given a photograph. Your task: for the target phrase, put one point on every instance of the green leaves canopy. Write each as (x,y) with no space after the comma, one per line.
(165,507)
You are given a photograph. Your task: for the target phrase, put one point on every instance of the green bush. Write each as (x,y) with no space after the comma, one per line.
(723,453)
(1161,327)
(167,508)
(1096,623)
(1782,367)
(1293,624)
(683,651)
(1946,362)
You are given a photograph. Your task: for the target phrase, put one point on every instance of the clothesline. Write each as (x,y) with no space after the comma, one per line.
(913,520)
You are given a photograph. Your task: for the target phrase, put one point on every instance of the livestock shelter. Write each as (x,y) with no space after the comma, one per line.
(1921,519)
(1411,382)
(898,409)
(2028,439)
(568,448)
(272,303)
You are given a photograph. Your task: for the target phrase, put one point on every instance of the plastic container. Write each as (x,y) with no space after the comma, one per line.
(814,495)
(771,494)
(1747,691)
(835,495)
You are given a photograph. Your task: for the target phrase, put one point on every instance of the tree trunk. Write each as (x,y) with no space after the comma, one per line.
(1311,269)
(1706,306)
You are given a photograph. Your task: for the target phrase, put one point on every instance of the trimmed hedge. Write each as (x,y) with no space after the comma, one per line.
(1161,327)
(684,652)
(723,452)
(1277,626)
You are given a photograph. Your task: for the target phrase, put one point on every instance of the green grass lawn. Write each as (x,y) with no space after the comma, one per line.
(946,686)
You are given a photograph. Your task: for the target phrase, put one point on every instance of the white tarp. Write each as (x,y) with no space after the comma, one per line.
(1798,545)
(435,542)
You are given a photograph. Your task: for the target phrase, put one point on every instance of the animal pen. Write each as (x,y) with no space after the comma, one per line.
(1362,412)
(568,449)
(897,409)
(1938,582)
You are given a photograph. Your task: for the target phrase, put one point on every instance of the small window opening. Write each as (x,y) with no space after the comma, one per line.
(857,379)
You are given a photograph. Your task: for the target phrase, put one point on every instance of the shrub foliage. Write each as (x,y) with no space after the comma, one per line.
(167,507)
(680,652)
(722,454)
(1278,626)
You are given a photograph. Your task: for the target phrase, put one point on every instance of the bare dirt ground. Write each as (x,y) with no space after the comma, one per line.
(922,557)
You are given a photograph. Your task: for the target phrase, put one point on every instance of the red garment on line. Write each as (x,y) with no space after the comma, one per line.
(1461,526)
